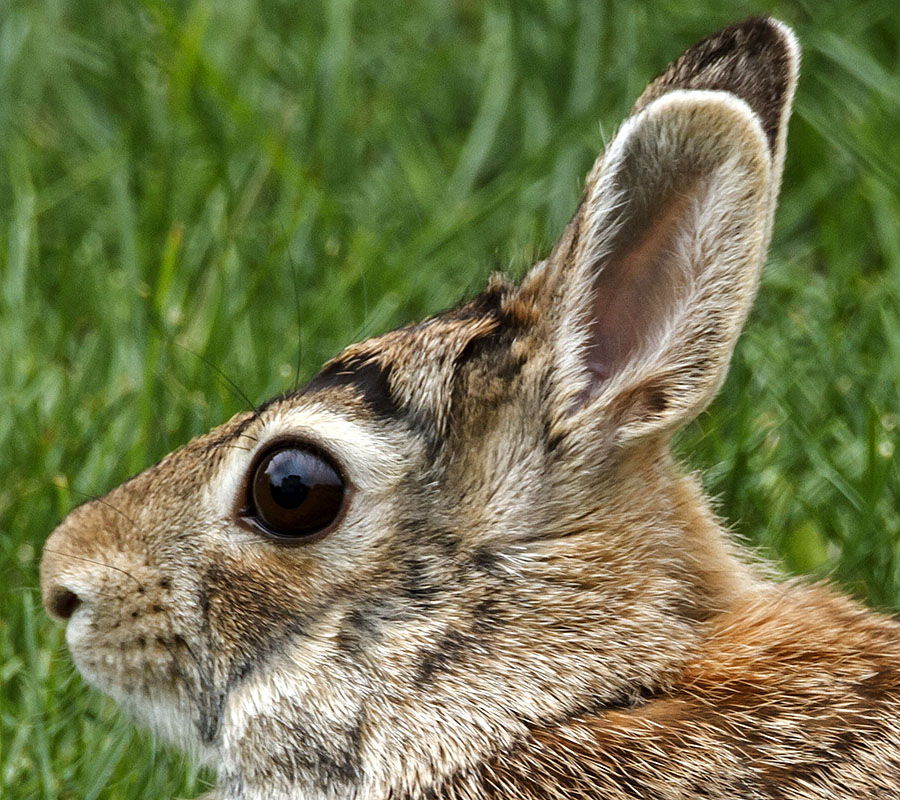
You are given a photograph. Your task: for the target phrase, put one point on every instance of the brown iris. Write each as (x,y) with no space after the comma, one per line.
(294,492)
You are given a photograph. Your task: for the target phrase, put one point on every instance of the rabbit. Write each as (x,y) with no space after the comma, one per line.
(461,562)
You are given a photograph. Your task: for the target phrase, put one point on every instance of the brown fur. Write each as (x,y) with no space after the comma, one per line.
(523,596)
(796,695)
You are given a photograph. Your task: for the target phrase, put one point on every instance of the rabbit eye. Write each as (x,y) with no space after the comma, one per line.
(294,492)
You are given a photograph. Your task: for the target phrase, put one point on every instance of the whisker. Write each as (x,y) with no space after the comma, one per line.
(235,388)
(109,505)
(365,288)
(93,561)
(26,588)
(409,296)
(296,282)
(179,671)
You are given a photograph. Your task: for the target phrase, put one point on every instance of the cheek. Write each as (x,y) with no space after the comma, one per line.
(308,719)
(253,612)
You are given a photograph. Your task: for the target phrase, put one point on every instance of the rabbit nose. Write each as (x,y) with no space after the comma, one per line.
(61,603)
(64,579)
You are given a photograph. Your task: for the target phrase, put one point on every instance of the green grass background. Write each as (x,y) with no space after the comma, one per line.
(170,170)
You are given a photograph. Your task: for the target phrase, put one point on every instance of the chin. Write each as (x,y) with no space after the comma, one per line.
(170,721)
(163,709)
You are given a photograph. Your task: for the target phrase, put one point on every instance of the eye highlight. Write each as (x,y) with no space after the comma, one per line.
(294,492)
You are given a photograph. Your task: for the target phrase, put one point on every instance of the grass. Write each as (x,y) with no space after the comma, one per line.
(170,172)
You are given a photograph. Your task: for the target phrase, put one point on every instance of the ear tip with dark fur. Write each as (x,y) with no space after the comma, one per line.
(756,60)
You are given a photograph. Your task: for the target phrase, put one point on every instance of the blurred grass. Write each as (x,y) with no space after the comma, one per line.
(168,170)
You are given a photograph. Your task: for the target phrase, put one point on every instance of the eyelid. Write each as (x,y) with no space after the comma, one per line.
(372,458)
(371,455)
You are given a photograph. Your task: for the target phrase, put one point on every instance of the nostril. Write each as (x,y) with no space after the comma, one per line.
(63,603)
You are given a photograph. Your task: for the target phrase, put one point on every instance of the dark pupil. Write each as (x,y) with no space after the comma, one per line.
(295,492)
(288,489)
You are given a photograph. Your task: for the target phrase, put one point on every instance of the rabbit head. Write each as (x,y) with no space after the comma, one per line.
(471,525)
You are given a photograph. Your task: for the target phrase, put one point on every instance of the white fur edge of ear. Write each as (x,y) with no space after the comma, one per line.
(672,105)
(606,196)
(794,54)
(793,46)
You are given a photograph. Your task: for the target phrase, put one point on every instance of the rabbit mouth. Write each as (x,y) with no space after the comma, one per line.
(156,678)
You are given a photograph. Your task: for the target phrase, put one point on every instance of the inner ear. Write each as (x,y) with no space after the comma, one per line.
(666,264)
(642,280)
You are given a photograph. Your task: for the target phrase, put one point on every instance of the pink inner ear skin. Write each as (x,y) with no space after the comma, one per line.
(636,291)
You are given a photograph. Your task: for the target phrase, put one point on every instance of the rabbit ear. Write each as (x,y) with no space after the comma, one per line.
(646,292)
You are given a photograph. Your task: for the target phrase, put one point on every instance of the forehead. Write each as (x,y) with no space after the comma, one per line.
(403,373)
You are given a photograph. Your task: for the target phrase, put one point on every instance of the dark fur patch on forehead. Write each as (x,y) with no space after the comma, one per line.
(368,378)
(364,375)
(501,301)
